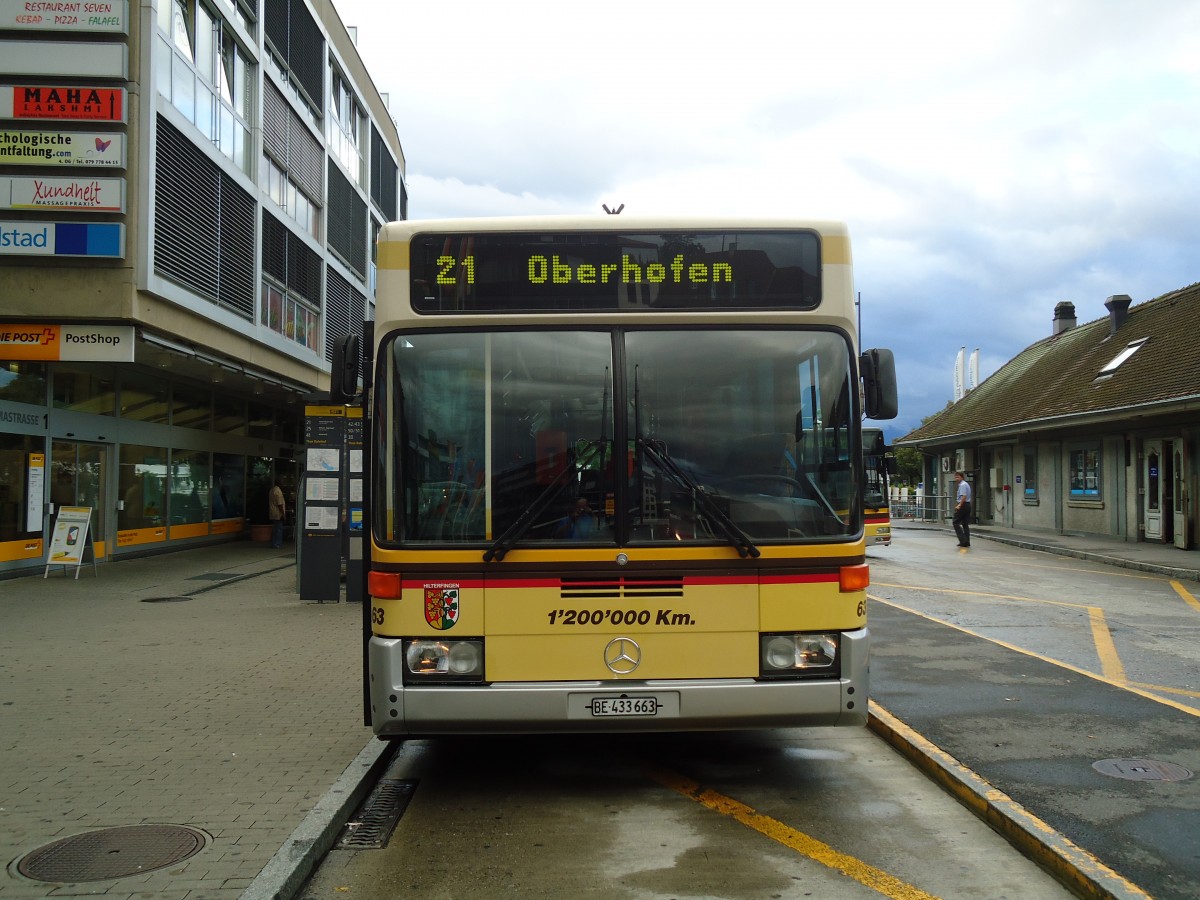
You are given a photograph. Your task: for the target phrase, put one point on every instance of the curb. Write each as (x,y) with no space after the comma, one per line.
(1180,574)
(1069,863)
(1118,562)
(292,863)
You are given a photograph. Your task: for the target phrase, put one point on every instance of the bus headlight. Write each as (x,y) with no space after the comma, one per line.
(430,661)
(799,654)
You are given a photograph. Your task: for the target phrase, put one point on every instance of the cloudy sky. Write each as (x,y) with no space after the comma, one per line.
(990,158)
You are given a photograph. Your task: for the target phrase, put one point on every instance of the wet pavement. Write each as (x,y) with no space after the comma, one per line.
(1095,780)
(195,693)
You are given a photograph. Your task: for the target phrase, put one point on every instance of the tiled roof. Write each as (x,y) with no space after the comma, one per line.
(1057,378)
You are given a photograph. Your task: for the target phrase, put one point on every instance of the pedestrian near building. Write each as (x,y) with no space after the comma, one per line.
(962,510)
(276,512)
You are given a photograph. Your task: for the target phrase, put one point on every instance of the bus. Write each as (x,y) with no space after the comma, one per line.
(879,464)
(613,476)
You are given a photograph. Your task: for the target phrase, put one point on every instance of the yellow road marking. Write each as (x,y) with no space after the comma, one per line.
(876,879)
(1188,598)
(1106,650)
(933,590)
(1164,689)
(1110,661)
(1133,689)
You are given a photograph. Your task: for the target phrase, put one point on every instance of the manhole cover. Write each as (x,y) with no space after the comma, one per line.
(165,599)
(112,853)
(1141,770)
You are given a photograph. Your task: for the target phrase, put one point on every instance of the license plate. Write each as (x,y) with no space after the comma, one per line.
(648,705)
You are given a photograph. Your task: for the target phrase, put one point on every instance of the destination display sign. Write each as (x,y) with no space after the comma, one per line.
(590,271)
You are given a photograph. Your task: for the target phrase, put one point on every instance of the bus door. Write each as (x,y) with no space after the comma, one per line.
(78,473)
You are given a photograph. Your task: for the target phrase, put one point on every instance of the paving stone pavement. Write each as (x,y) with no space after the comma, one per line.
(231,706)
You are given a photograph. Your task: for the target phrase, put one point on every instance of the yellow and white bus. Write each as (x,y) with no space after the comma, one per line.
(879,464)
(615,476)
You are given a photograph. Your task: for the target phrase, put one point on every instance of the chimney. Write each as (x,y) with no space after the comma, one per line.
(1064,316)
(1118,311)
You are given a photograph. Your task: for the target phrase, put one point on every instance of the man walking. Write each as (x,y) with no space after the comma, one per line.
(962,511)
(276,513)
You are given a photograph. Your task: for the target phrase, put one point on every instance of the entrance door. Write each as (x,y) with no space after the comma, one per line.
(1152,497)
(78,474)
(1180,497)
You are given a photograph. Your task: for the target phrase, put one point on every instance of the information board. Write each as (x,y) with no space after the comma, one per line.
(71,539)
(320,518)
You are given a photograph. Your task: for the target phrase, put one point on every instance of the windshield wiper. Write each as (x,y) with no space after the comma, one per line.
(740,540)
(526,520)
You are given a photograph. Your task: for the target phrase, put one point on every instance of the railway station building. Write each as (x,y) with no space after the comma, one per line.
(189,196)
(1092,430)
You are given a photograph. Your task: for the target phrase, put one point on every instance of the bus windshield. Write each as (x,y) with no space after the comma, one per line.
(618,436)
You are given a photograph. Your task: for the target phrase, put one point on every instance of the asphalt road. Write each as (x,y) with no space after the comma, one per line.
(1069,686)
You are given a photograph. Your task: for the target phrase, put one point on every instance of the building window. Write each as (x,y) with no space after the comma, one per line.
(143,482)
(289,315)
(144,398)
(1085,472)
(19,519)
(1030,478)
(229,486)
(191,408)
(1131,348)
(84,388)
(345,125)
(206,75)
(190,485)
(296,51)
(23,382)
(384,176)
(290,198)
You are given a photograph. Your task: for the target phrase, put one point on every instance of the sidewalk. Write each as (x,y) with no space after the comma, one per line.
(192,692)
(1156,558)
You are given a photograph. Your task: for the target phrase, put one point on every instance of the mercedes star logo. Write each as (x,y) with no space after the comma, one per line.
(622,655)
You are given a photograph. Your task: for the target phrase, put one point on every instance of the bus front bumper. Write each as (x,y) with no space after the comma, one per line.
(624,706)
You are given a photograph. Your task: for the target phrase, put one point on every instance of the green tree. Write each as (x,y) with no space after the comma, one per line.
(908,466)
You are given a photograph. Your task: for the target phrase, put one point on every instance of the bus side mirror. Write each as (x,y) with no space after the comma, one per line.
(343,377)
(878,370)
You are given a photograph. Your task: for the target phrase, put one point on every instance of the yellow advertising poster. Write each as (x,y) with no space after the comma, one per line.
(70,536)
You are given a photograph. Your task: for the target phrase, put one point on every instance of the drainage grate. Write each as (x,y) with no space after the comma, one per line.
(214,576)
(1141,770)
(165,599)
(112,853)
(372,825)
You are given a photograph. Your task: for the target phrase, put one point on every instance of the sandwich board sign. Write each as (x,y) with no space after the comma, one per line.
(71,539)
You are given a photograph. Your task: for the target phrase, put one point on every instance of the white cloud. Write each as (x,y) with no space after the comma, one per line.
(991,159)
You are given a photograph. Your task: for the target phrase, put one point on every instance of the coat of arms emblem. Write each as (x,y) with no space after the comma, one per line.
(441,606)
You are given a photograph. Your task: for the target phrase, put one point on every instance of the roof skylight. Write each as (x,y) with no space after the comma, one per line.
(1131,348)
